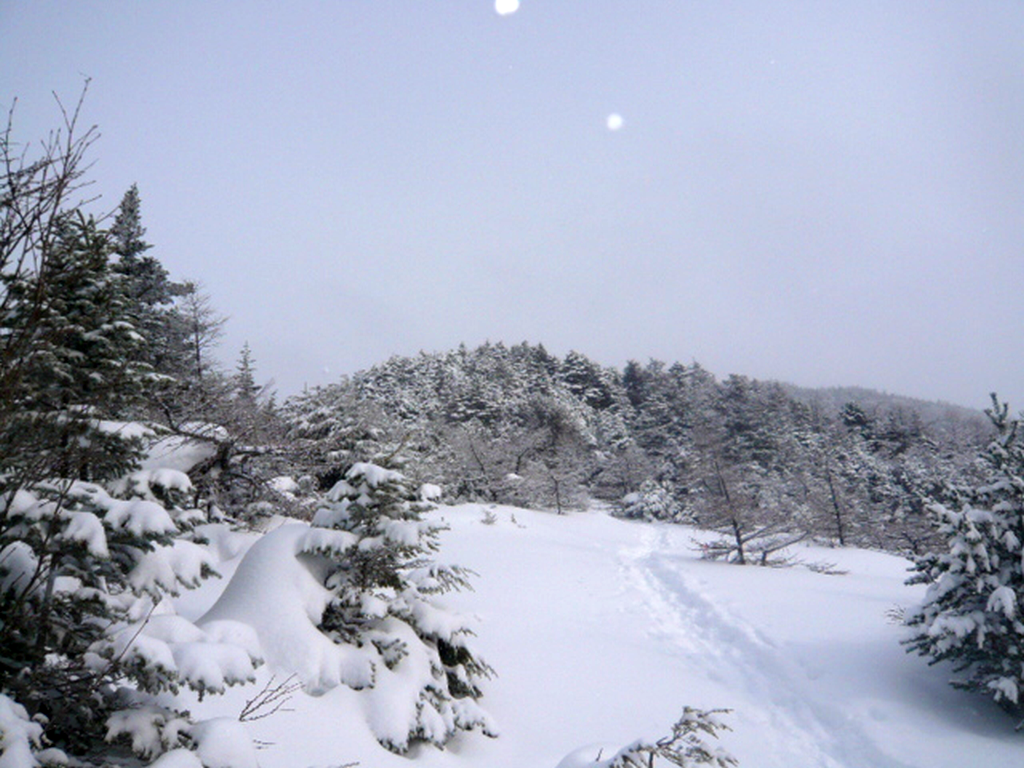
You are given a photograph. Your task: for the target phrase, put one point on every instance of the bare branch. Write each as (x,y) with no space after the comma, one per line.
(270,700)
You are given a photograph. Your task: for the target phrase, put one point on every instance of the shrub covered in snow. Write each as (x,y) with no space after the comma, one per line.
(652,502)
(354,599)
(684,747)
(973,612)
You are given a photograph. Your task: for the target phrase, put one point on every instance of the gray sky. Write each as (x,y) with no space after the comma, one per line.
(820,192)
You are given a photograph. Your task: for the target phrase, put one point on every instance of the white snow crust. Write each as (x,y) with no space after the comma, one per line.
(223,742)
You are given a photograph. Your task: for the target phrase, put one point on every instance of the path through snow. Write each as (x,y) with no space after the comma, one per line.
(730,652)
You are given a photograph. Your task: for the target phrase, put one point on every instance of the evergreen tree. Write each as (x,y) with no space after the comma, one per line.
(586,380)
(148,288)
(246,389)
(330,428)
(76,562)
(82,357)
(385,590)
(652,501)
(745,487)
(973,612)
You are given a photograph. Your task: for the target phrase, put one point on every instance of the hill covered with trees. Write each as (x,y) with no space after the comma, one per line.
(756,460)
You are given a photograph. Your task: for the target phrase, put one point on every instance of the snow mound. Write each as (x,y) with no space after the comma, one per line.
(591,756)
(275,592)
(224,742)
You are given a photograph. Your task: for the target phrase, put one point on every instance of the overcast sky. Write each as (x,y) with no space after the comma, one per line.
(823,193)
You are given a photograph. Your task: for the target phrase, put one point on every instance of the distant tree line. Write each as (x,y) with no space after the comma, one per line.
(517,425)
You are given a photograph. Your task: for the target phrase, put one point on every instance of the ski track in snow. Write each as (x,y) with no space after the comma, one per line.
(735,655)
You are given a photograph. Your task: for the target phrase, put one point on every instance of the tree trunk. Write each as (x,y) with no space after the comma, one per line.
(836,507)
(738,535)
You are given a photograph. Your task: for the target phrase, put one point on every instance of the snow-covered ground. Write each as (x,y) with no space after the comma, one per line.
(601,630)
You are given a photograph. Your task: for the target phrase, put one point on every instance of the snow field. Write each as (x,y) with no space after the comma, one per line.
(601,630)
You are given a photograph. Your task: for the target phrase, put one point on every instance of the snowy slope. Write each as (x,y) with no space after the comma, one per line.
(602,629)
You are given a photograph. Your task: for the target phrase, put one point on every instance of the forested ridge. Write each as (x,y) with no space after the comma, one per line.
(515,424)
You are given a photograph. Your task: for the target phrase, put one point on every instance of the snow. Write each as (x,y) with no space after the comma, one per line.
(276,593)
(601,630)
(374,475)
(590,756)
(149,728)
(139,517)
(177,758)
(224,742)
(137,648)
(18,563)
(125,429)
(1004,599)
(169,567)
(285,485)
(327,540)
(183,453)
(405,532)
(212,666)
(235,633)
(18,735)
(430,492)
(142,482)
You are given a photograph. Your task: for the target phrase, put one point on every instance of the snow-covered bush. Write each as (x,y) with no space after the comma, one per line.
(384,588)
(684,747)
(652,502)
(973,611)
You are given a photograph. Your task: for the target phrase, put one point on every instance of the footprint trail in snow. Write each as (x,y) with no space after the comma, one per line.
(732,654)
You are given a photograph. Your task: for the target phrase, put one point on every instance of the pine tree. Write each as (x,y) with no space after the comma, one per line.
(75,561)
(246,389)
(194,329)
(82,569)
(586,380)
(82,357)
(973,612)
(148,288)
(745,487)
(653,501)
(385,589)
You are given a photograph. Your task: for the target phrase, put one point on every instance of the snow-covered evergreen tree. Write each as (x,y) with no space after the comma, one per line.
(684,747)
(973,612)
(81,570)
(149,291)
(246,388)
(386,591)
